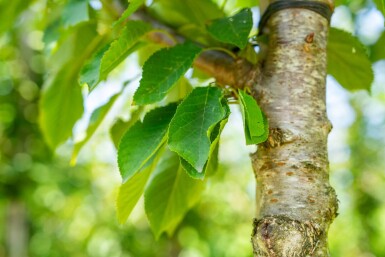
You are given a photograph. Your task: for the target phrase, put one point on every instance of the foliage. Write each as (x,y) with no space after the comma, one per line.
(162,70)
(233,30)
(171,153)
(254,121)
(109,56)
(348,62)
(143,139)
(195,127)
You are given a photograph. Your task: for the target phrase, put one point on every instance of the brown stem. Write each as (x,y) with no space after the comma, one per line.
(237,73)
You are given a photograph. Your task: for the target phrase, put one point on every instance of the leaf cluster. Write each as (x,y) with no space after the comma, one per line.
(168,154)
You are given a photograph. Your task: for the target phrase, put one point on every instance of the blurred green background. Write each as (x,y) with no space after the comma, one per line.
(49,208)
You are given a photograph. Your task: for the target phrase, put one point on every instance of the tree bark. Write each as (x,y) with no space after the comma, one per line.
(295,203)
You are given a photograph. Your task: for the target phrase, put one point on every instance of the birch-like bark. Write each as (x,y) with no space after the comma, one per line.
(295,203)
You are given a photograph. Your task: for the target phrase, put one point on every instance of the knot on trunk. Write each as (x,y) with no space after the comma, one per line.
(280,236)
(278,137)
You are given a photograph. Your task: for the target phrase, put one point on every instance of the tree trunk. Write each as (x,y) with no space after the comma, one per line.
(295,203)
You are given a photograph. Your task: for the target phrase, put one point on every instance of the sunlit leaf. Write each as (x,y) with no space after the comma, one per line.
(179,13)
(121,47)
(197,33)
(96,119)
(211,164)
(213,161)
(181,89)
(120,126)
(254,121)
(131,191)
(90,73)
(74,12)
(190,129)
(143,139)
(133,5)
(61,103)
(170,194)
(52,32)
(9,11)
(233,30)
(348,62)
(110,56)
(162,70)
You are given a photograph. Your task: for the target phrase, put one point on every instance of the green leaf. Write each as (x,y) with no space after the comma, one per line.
(90,73)
(74,12)
(190,129)
(162,70)
(170,194)
(347,61)
(143,139)
(197,33)
(213,133)
(253,115)
(133,5)
(9,11)
(210,167)
(61,102)
(71,45)
(147,51)
(109,57)
(133,188)
(52,32)
(120,126)
(377,51)
(380,6)
(254,121)
(104,61)
(233,30)
(179,13)
(212,163)
(96,119)
(180,91)
(61,105)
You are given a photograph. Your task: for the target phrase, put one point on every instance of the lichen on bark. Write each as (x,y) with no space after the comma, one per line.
(295,202)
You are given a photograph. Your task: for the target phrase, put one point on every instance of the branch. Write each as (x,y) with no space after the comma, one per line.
(237,73)
(227,70)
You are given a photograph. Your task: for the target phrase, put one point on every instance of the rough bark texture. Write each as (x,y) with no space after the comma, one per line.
(295,203)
